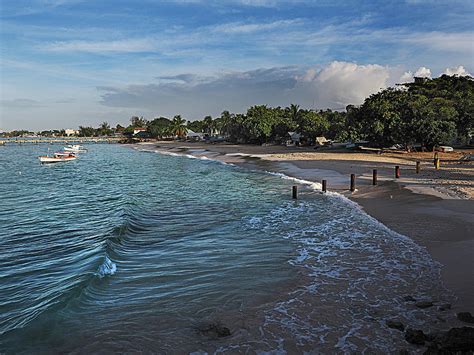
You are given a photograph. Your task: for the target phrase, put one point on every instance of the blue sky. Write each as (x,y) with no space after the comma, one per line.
(66,63)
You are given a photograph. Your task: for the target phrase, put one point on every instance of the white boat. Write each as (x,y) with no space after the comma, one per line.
(75,148)
(57,158)
(64,154)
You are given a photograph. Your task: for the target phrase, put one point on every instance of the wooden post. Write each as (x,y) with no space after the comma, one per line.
(295,192)
(324,185)
(353,182)
(417,167)
(437,163)
(374,177)
(397,172)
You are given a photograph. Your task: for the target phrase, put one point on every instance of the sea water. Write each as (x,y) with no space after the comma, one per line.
(129,250)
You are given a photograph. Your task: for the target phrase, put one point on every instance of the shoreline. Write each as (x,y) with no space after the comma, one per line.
(436,216)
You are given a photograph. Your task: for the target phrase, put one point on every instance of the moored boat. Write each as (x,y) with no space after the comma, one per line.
(57,158)
(75,148)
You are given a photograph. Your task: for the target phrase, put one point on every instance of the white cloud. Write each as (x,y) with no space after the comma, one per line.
(460,71)
(239,27)
(443,41)
(407,77)
(423,72)
(342,83)
(127,46)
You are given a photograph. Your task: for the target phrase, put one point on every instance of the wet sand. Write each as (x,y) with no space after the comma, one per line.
(435,207)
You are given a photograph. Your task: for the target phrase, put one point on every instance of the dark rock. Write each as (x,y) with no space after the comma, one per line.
(441,319)
(214,330)
(466,317)
(424,304)
(433,336)
(454,340)
(415,336)
(395,325)
(409,299)
(404,352)
(444,307)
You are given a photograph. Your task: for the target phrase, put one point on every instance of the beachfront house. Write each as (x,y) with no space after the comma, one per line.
(137,131)
(71,132)
(194,136)
(295,139)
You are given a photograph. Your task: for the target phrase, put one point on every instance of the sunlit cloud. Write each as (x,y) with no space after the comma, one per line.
(459,70)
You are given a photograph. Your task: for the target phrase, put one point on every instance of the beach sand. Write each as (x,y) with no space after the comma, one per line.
(435,207)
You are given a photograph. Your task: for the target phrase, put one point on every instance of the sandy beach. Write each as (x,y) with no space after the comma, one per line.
(434,207)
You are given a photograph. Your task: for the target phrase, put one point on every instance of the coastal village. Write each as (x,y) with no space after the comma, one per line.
(271,177)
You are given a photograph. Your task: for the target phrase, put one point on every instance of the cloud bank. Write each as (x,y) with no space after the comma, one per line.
(333,86)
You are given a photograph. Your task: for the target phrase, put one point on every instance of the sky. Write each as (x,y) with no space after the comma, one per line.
(66,63)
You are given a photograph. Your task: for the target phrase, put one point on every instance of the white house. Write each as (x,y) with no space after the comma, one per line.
(71,132)
(138,130)
(193,135)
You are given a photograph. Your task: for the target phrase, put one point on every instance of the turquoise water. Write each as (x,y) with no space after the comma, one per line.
(126,250)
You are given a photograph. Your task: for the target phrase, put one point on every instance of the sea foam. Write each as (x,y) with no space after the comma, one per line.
(107,268)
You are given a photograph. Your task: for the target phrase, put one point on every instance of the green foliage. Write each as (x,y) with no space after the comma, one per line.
(138,122)
(19,133)
(195,126)
(313,124)
(178,126)
(104,129)
(430,112)
(159,127)
(87,131)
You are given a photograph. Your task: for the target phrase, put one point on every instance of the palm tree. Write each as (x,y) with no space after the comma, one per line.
(179,126)
(104,129)
(208,125)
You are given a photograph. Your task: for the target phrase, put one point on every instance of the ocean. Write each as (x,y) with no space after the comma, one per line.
(131,250)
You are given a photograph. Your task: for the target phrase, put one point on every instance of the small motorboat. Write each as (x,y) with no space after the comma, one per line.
(75,148)
(57,158)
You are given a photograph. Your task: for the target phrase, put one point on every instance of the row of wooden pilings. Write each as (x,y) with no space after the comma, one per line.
(352,187)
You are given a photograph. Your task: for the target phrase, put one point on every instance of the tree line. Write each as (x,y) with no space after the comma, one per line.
(429,112)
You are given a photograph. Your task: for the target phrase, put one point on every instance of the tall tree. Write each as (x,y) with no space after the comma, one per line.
(138,122)
(208,125)
(159,127)
(178,126)
(104,129)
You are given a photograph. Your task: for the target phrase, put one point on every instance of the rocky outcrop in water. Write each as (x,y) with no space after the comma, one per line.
(466,317)
(424,304)
(214,330)
(415,336)
(444,307)
(453,341)
(395,325)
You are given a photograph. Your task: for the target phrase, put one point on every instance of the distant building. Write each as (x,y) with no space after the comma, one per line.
(138,130)
(194,136)
(295,139)
(71,132)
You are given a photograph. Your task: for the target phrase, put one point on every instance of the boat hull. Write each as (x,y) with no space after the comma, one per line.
(52,160)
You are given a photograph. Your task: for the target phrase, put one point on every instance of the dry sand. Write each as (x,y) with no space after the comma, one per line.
(435,207)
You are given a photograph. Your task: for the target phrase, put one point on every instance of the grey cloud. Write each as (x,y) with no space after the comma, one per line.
(187,78)
(20,103)
(65,101)
(332,86)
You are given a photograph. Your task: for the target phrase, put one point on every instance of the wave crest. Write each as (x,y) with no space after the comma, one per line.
(107,268)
